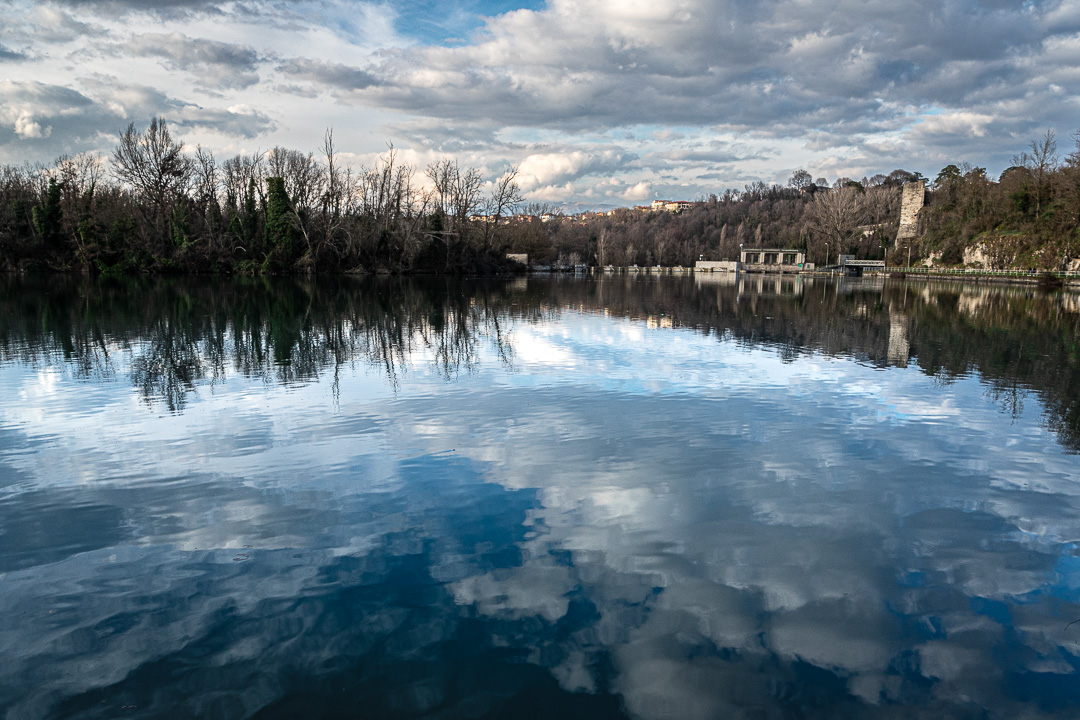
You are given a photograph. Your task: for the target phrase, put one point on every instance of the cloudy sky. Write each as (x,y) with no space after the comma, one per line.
(602,101)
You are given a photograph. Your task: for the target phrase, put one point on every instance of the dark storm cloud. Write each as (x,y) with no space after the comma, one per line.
(6,54)
(334,77)
(182,10)
(140,4)
(216,64)
(146,5)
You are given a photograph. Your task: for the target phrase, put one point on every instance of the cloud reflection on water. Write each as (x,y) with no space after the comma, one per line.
(675,526)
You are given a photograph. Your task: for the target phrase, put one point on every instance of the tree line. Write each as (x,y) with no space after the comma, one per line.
(1028,218)
(852,217)
(153,207)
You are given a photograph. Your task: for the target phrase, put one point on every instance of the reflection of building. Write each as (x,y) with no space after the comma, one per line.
(659,322)
(899,346)
(716,266)
(771,287)
(860,284)
(715,278)
(771,260)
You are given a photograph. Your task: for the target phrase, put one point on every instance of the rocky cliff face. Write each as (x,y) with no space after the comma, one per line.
(979,256)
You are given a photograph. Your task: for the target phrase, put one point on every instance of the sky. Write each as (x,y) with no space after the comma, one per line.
(608,102)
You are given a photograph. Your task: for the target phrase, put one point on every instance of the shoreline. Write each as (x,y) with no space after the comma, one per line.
(1066,278)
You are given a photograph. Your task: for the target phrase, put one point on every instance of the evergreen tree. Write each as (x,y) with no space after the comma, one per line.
(47,217)
(280,226)
(251,220)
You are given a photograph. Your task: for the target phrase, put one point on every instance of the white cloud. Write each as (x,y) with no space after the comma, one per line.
(707,94)
(27,128)
(552,168)
(639,191)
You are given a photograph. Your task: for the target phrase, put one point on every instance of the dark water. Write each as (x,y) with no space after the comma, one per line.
(688,498)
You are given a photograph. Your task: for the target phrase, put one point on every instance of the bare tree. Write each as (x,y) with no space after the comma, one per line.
(441,174)
(881,204)
(205,172)
(1071,181)
(391,207)
(206,184)
(327,190)
(457,191)
(662,244)
(243,177)
(505,198)
(1042,161)
(155,166)
(81,173)
(303,177)
(835,214)
(465,198)
(240,173)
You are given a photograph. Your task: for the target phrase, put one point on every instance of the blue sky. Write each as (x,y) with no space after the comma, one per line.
(607,101)
(433,22)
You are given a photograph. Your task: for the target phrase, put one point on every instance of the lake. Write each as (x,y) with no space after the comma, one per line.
(621,497)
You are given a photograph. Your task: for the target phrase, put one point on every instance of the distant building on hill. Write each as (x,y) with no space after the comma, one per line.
(672,206)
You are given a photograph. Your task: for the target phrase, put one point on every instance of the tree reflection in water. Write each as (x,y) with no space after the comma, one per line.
(175,334)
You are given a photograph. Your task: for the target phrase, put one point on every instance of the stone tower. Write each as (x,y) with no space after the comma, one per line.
(913,200)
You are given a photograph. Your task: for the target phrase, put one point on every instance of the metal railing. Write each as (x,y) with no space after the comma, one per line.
(977,272)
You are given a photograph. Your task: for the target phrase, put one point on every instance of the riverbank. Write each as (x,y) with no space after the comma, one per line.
(1071,278)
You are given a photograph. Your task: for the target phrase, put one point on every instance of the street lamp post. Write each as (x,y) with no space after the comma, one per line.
(826,256)
(909,257)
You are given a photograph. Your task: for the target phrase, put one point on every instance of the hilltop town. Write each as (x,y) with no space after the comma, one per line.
(671,206)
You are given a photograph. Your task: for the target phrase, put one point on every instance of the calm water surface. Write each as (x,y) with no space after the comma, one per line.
(679,498)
